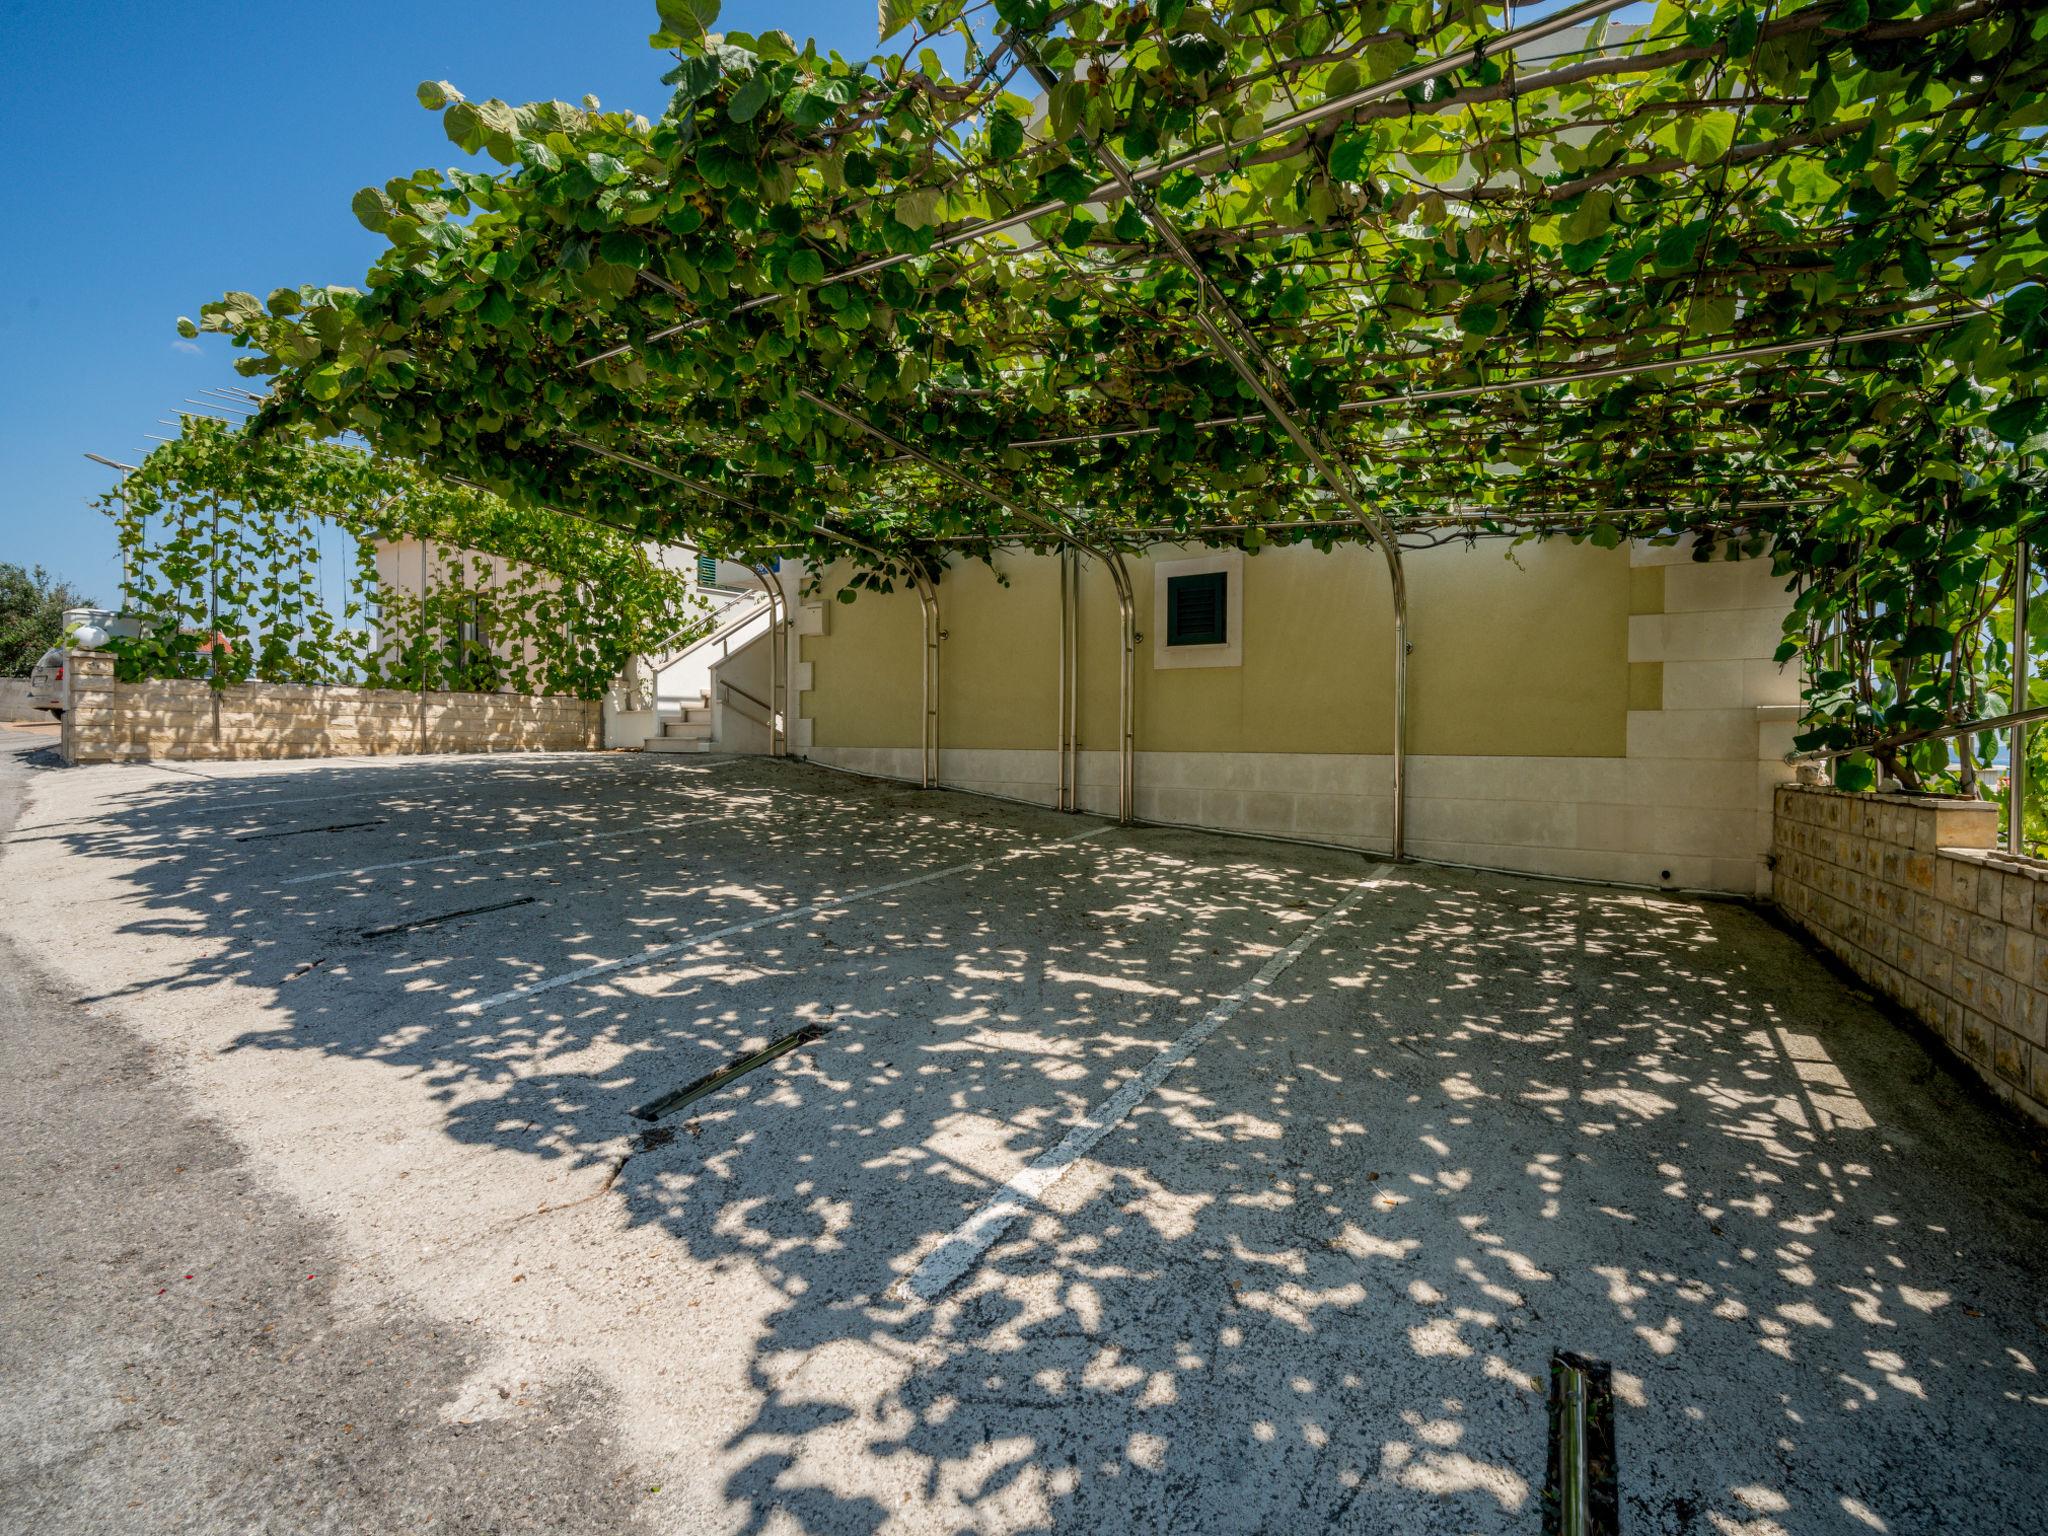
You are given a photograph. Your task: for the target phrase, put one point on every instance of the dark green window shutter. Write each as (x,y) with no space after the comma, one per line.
(707,570)
(1197,609)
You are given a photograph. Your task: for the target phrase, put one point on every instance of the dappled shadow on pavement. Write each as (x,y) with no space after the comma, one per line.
(1312,1282)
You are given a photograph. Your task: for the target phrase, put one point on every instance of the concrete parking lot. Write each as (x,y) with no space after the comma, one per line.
(1125,1178)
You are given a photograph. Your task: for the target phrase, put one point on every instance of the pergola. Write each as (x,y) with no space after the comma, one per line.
(1263,273)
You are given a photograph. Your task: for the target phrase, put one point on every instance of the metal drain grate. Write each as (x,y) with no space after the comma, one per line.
(710,1082)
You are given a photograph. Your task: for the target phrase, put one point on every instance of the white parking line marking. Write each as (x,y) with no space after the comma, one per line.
(965,1245)
(784,915)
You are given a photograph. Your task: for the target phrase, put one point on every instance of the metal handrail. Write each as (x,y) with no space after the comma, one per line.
(750,600)
(719,631)
(736,688)
(767,715)
(1930,733)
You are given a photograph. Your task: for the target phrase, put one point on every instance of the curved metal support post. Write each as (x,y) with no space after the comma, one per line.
(1232,339)
(1068,748)
(2016,750)
(1126,809)
(1063,791)
(778,672)
(1074,685)
(928,719)
(1126,694)
(1397,582)
(778,606)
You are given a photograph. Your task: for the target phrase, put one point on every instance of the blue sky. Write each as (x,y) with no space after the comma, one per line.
(165,154)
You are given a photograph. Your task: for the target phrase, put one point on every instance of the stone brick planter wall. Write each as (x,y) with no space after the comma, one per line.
(1911,892)
(111,722)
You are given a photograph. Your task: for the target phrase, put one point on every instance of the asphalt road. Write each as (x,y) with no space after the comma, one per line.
(173,1354)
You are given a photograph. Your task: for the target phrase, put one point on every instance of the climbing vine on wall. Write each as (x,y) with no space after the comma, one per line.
(220,536)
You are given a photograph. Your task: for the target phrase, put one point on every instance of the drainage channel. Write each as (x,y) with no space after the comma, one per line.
(445,917)
(1581,1492)
(339,826)
(712,1081)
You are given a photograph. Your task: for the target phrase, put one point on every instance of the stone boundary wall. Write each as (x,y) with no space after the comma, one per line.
(107,721)
(1912,894)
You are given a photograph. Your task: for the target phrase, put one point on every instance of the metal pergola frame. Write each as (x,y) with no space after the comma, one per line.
(1229,337)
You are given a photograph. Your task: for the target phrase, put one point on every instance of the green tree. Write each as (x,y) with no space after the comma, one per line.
(32,605)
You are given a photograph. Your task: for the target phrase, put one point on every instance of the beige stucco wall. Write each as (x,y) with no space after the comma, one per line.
(108,721)
(1610,714)
(870,654)
(1522,658)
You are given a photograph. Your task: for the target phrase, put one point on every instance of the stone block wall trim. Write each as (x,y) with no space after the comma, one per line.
(109,721)
(1646,589)
(1912,894)
(1646,685)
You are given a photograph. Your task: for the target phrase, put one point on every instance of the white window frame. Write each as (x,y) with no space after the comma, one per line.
(1229,654)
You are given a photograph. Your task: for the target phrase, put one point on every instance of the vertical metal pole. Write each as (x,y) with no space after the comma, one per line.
(778,732)
(928,722)
(127,575)
(1574,1505)
(2016,772)
(420,651)
(771,588)
(1074,682)
(213,601)
(213,621)
(1398,579)
(1127,698)
(1059,798)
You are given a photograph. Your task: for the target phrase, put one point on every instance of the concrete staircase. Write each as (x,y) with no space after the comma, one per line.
(689,730)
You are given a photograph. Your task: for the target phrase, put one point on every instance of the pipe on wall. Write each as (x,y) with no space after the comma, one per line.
(1127,697)
(928,719)
(2016,768)
(1060,798)
(778,734)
